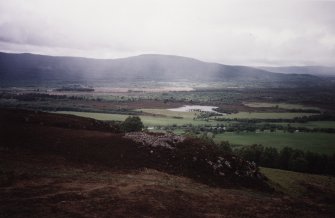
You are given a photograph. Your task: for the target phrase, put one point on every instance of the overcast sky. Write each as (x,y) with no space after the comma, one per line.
(268,32)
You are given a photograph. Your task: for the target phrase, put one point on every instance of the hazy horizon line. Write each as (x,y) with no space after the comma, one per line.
(161,54)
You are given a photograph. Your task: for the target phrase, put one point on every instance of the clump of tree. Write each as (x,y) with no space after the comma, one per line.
(225,147)
(132,124)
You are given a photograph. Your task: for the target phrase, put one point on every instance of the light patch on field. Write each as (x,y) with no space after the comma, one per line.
(189,108)
(108,90)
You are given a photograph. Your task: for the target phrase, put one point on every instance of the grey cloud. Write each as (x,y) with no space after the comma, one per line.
(233,32)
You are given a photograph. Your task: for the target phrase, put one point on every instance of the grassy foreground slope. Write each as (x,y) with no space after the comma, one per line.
(301,184)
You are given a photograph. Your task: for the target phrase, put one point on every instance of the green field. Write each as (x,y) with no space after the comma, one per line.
(169,113)
(316,142)
(239,115)
(147,120)
(97,116)
(164,117)
(279,105)
(294,183)
(264,115)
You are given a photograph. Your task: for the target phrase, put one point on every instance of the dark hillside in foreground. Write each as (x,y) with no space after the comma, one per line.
(88,140)
(65,166)
(46,185)
(41,68)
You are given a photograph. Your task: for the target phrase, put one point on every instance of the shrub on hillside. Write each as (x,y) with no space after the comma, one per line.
(132,124)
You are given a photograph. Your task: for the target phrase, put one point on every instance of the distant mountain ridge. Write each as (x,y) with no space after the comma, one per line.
(312,70)
(148,67)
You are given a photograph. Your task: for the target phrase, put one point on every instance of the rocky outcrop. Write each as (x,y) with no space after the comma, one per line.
(167,140)
(197,158)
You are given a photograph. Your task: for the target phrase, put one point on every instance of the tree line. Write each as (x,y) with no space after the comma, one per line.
(286,158)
